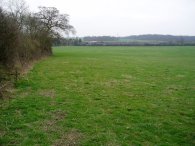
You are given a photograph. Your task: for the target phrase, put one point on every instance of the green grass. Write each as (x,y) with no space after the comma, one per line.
(104,96)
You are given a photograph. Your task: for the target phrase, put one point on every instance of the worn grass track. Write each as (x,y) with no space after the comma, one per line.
(104,96)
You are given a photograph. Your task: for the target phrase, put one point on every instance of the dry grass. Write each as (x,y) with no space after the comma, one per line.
(70,138)
(47,93)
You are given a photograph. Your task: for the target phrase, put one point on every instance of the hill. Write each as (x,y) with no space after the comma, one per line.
(149,39)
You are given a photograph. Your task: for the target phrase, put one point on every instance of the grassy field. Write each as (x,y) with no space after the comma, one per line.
(104,96)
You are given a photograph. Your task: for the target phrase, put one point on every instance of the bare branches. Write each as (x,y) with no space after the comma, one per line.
(25,36)
(54,22)
(18,9)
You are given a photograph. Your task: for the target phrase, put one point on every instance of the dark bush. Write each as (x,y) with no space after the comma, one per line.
(9,40)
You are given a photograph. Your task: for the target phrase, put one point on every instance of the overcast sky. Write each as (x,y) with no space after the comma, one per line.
(126,17)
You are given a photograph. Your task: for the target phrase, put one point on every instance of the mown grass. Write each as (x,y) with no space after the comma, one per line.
(104,96)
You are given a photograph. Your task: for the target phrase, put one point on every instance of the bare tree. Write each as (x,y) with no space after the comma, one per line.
(55,23)
(18,10)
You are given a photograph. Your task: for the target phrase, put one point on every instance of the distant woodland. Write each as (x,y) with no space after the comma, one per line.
(142,40)
(134,40)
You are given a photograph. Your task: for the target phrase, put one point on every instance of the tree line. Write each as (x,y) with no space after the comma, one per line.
(26,36)
(67,42)
(140,40)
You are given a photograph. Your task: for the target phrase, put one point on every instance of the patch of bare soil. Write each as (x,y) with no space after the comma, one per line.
(47,93)
(51,124)
(112,144)
(71,138)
